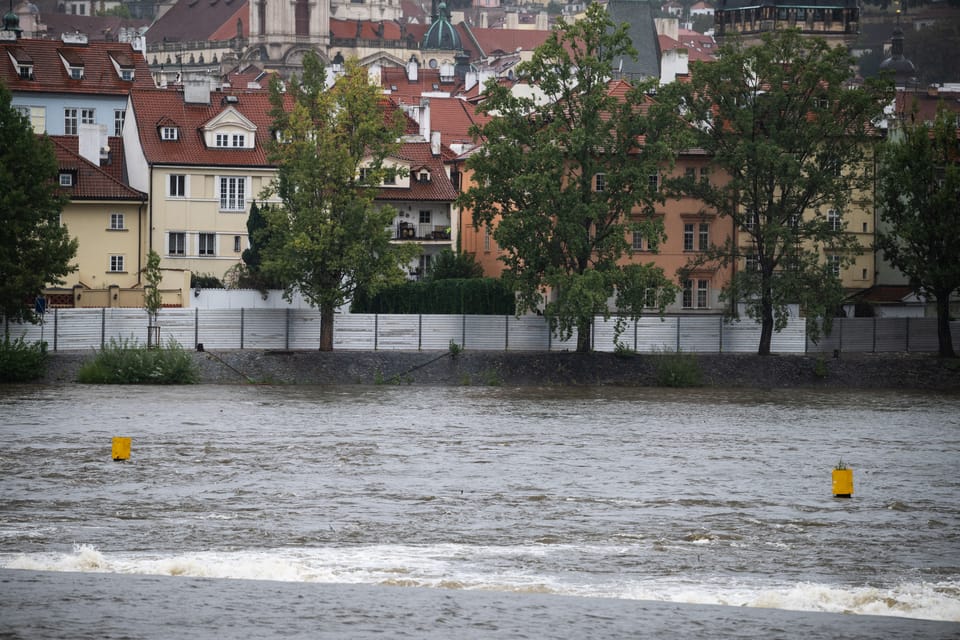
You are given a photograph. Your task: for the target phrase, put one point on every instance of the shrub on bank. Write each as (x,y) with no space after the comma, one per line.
(678,370)
(21,361)
(123,362)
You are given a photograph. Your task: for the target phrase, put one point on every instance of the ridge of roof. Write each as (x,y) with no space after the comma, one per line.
(93,183)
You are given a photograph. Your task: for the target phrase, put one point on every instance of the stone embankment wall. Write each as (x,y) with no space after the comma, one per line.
(859,371)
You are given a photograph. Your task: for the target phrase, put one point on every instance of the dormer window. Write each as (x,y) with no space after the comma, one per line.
(169,133)
(25,71)
(66,179)
(76,73)
(122,64)
(230,140)
(126,74)
(423,175)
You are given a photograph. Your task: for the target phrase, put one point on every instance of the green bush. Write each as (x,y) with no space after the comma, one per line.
(471,296)
(123,362)
(22,362)
(678,370)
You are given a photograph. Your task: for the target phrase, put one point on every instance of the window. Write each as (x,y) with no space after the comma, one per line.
(601,182)
(835,220)
(116,221)
(25,71)
(37,117)
(751,220)
(116,264)
(206,244)
(425,217)
(233,194)
(703,237)
(76,73)
(178,186)
(696,294)
(226,140)
(66,179)
(690,173)
(688,237)
(177,244)
(119,115)
(425,264)
(364,174)
(654,181)
(126,74)
(390,178)
(833,264)
(69,122)
(637,243)
(236,244)
(704,174)
(239,140)
(88,116)
(222,140)
(752,262)
(169,133)
(486,239)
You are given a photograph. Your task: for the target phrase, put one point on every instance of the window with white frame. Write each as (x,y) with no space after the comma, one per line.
(36,115)
(25,71)
(688,236)
(177,244)
(703,236)
(239,140)
(66,179)
(751,220)
(486,239)
(76,73)
(119,115)
(230,140)
(752,262)
(222,140)
(206,244)
(835,219)
(237,246)
(88,116)
(696,294)
(833,263)
(177,186)
(425,217)
(169,133)
(116,264)
(116,222)
(601,182)
(233,194)
(69,121)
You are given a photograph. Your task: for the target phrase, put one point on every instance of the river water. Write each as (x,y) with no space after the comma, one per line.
(439,512)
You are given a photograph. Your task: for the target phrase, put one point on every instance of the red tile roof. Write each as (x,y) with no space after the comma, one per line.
(153,107)
(50,75)
(453,117)
(409,91)
(96,28)
(198,20)
(419,155)
(113,167)
(91,182)
(368,29)
(491,41)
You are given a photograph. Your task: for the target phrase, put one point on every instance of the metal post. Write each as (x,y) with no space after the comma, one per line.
(103,327)
(286,340)
(506,333)
(241,327)
(196,326)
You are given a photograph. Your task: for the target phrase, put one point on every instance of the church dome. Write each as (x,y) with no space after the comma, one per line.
(442,34)
(902,68)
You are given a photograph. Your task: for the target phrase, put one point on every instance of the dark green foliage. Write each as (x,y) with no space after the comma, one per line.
(678,370)
(205,281)
(22,362)
(35,250)
(473,296)
(129,363)
(449,265)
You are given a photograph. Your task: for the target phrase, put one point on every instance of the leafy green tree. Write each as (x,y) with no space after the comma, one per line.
(35,250)
(919,201)
(450,265)
(330,239)
(564,235)
(789,137)
(152,298)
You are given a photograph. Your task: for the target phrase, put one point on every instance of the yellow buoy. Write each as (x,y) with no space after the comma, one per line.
(121,448)
(842,481)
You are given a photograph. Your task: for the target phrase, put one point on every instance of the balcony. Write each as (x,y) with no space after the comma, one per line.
(422,232)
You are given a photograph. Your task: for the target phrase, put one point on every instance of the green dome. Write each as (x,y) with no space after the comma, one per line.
(442,34)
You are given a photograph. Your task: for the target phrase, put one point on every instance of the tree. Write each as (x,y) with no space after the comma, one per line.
(249,274)
(35,250)
(152,298)
(330,239)
(919,200)
(535,179)
(449,265)
(790,137)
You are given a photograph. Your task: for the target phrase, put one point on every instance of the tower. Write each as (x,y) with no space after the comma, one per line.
(281,31)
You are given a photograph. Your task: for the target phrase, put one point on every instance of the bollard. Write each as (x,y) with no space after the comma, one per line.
(121,448)
(842,481)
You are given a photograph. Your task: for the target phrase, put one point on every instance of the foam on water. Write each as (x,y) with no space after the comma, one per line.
(449,567)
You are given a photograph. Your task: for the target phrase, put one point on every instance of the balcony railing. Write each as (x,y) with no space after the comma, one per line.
(421,232)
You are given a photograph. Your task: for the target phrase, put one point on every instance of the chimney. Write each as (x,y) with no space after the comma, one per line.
(425,118)
(412,69)
(92,142)
(435,143)
(196,92)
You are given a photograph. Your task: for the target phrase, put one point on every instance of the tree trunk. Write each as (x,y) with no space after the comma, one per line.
(326,327)
(584,332)
(943,325)
(766,321)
